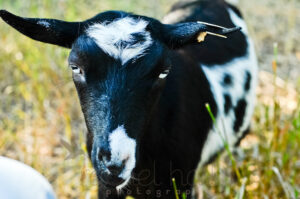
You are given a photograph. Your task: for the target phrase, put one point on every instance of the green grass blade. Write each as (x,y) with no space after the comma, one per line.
(175,188)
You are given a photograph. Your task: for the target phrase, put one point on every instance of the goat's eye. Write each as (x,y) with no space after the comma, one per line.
(164,74)
(76,69)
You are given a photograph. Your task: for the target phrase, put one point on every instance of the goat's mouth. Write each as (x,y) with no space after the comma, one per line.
(121,186)
(112,177)
(112,181)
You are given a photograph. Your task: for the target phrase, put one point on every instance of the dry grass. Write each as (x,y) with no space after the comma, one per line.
(41,123)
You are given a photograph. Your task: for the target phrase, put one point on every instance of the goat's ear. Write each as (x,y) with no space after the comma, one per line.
(51,31)
(178,35)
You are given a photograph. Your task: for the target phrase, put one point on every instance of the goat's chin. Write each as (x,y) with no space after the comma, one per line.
(120,187)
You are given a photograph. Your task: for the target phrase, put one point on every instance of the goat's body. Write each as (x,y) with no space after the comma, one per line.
(230,67)
(219,72)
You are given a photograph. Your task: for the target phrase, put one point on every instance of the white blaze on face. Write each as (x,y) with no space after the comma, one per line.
(123,149)
(117,38)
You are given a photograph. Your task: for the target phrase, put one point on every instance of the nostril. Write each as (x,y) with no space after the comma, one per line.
(126,158)
(100,156)
(124,161)
(104,155)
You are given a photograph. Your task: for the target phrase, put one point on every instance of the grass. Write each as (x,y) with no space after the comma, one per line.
(41,123)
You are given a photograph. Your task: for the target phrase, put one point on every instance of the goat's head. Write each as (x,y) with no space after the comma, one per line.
(119,62)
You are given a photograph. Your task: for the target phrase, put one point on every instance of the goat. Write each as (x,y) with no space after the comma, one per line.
(143,86)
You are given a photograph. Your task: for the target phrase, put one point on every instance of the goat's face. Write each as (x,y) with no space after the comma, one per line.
(119,61)
(116,66)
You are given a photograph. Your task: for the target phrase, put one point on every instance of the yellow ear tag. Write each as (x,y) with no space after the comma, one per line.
(201,36)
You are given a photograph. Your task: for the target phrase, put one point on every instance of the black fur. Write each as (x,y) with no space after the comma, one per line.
(248,81)
(239,112)
(227,81)
(214,50)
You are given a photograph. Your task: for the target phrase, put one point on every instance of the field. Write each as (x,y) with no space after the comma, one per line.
(41,122)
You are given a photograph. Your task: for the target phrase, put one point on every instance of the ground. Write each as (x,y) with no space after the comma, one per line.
(41,123)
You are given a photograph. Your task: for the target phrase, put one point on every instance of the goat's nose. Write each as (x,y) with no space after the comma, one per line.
(114,165)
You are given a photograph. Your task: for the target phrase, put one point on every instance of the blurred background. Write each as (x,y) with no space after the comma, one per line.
(41,122)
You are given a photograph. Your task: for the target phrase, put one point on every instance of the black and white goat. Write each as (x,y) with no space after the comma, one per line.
(143,86)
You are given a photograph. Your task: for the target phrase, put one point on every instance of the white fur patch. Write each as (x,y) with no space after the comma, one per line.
(237,68)
(44,23)
(123,148)
(112,38)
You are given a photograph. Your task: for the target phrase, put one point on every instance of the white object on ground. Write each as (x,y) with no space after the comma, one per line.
(19,181)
